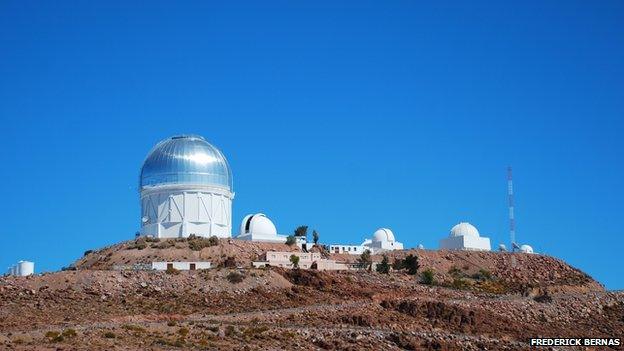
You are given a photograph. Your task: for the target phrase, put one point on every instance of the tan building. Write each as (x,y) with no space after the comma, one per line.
(307,260)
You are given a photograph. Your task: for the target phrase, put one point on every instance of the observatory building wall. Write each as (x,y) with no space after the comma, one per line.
(171,212)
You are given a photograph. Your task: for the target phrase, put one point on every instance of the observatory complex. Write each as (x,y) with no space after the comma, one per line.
(186,189)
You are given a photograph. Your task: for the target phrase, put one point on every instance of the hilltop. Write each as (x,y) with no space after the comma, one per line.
(477,301)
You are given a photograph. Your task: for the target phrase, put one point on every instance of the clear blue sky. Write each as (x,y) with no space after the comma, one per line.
(345,116)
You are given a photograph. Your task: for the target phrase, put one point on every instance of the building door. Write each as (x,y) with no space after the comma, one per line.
(192,266)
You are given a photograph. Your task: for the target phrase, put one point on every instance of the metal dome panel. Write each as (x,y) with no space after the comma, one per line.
(185,159)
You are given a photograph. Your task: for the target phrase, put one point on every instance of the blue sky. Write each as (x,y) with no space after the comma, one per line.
(342,116)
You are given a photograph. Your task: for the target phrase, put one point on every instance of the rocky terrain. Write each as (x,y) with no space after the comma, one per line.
(477,301)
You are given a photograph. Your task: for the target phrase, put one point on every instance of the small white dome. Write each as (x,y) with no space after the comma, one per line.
(421,247)
(258,223)
(526,249)
(383,235)
(464,229)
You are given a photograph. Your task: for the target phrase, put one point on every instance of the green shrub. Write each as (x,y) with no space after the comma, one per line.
(383,266)
(427,277)
(183,331)
(110,335)
(410,262)
(87,252)
(294,259)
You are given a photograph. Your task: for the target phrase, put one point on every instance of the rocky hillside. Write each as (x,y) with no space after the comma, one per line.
(257,309)
(476,301)
(530,275)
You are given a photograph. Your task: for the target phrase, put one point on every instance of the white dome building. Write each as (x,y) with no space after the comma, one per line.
(465,236)
(382,240)
(526,249)
(258,227)
(464,229)
(186,188)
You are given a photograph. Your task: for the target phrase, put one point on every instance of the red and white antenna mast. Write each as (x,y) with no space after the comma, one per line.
(512,221)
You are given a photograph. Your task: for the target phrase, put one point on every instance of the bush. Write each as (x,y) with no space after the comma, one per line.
(69,333)
(410,262)
(301,230)
(397,265)
(196,243)
(455,272)
(290,240)
(87,252)
(365,259)
(235,277)
(54,336)
(384,266)
(482,275)
(183,331)
(427,277)
(459,283)
(294,259)
(110,335)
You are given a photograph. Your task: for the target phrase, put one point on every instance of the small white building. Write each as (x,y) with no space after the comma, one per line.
(180,266)
(258,227)
(464,236)
(526,249)
(382,240)
(22,269)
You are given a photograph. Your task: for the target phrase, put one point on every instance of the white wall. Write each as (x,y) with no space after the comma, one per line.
(262,237)
(465,243)
(176,211)
(181,266)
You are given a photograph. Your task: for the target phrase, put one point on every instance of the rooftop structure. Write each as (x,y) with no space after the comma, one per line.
(186,188)
(526,249)
(464,236)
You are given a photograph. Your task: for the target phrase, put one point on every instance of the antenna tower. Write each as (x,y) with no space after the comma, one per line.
(512,221)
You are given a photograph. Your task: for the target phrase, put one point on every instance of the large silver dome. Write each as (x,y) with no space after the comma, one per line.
(185,159)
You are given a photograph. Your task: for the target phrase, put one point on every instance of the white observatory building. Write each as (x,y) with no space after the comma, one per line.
(382,240)
(464,236)
(258,227)
(186,188)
